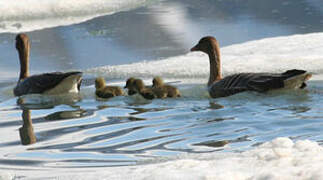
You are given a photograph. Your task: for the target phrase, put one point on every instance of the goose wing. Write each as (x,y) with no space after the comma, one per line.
(260,82)
(230,85)
(237,83)
(38,84)
(263,82)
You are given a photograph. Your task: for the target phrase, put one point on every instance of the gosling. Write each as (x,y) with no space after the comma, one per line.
(148,92)
(104,91)
(171,90)
(130,86)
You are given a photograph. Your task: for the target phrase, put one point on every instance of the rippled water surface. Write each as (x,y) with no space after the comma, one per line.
(70,132)
(80,130)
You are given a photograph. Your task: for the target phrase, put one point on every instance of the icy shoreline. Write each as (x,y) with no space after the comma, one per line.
(280,158)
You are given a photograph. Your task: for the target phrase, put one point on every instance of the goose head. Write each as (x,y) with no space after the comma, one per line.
(130,86)
(99,83)
(157,81)
(22,42)
(208,45)
(129,82)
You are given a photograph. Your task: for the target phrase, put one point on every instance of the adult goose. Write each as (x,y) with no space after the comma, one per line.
(260,82)
(47,83)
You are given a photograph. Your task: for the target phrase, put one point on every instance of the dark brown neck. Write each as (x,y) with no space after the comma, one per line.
(215,67)
(24,63)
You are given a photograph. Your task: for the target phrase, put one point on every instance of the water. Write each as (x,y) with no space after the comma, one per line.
(192,137)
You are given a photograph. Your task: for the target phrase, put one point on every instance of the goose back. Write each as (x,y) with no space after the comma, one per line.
(260,82)
(38,84)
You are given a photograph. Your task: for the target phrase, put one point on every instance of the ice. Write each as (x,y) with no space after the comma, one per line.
(29,15)
(280,158)
(266,55)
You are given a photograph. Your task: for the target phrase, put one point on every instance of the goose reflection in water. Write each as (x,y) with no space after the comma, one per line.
(62,115)
(26,132)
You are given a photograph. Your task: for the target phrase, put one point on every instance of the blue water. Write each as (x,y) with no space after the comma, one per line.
(74,131)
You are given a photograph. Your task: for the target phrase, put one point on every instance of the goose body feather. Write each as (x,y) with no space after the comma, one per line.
(260,82)
(49,83)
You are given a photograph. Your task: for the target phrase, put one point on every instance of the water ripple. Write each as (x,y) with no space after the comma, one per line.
(93,133)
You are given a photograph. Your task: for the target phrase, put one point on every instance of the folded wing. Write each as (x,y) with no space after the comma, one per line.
(39,84)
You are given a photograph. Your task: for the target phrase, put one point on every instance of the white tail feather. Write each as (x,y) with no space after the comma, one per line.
(296,81)
(67,85)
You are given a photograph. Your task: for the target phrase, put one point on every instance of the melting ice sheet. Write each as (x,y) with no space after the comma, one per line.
(29,15)
(280,158)
(267,55)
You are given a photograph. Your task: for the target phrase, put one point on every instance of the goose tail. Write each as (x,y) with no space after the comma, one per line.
(296,79)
